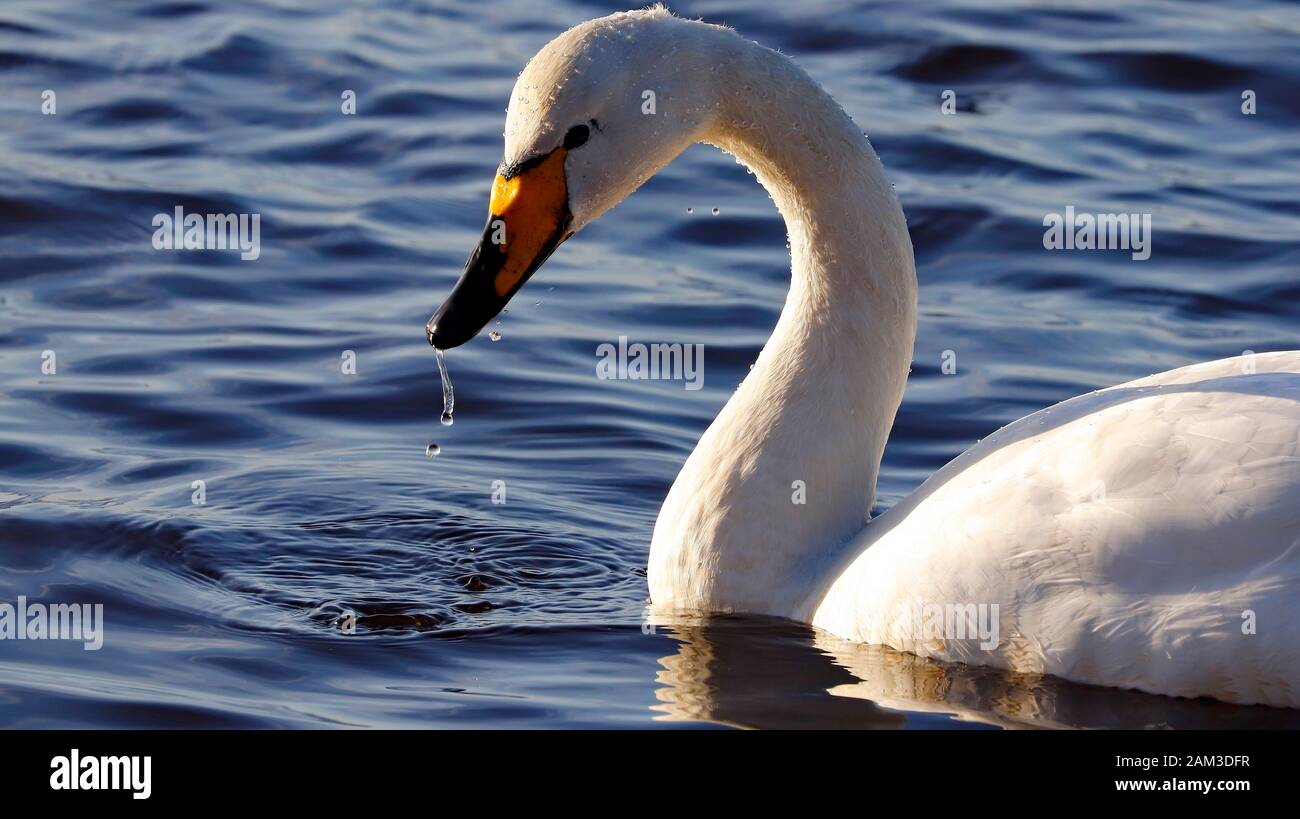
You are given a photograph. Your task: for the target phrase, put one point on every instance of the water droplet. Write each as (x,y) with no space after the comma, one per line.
(494,335)
(716,211)
(432,450)
(690,210)
(448,395)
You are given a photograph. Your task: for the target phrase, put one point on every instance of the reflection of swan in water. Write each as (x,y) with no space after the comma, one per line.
(752,672)
(756,673)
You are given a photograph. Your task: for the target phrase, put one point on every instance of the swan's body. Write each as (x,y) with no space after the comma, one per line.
(1131,537)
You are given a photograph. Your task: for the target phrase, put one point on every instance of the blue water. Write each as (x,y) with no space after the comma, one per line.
(176,367)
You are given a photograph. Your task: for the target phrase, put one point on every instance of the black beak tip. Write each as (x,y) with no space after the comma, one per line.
(446,330)
(437,337)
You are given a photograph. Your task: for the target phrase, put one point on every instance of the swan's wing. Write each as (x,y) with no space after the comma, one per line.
(1144,536)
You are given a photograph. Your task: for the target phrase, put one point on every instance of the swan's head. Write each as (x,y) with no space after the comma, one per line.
(599,110)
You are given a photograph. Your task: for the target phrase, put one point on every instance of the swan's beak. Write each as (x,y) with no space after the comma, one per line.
(528,218)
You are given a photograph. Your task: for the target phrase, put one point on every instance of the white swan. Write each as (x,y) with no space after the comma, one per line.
(1145,536)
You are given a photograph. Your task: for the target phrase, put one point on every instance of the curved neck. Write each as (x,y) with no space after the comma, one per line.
(786,473)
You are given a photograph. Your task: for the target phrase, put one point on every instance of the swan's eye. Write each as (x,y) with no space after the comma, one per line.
(576,137)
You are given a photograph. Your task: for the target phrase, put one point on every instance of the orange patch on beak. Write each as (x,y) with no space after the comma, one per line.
(533,207)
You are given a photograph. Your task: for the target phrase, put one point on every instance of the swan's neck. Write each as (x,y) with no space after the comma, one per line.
(786,473)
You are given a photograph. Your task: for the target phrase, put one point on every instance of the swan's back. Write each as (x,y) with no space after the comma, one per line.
(1144,536)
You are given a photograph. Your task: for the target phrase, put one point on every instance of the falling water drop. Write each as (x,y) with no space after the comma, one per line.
(716,211)
(690,210)
(448,396)
(494,335)
(432,450)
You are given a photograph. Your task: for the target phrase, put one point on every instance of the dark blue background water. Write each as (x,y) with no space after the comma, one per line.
(176,367)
